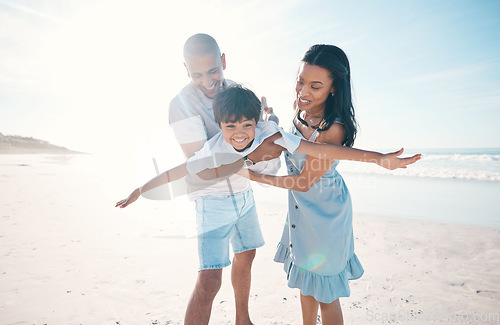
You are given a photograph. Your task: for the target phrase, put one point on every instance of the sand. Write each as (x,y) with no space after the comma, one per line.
(69,257)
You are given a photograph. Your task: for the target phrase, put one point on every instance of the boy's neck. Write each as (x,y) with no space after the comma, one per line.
(248,146)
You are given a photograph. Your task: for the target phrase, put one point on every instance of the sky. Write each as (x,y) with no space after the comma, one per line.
(98,75)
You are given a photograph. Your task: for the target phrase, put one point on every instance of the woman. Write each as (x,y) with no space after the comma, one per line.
(317,246)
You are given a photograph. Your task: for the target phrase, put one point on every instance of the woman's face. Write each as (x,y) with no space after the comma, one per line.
(313,87)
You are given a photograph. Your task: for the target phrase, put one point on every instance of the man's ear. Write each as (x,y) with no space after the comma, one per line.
(189,75)
(223,58)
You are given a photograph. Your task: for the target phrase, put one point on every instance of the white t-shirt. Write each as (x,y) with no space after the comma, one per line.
(191,115)
(217,152)
(192,119)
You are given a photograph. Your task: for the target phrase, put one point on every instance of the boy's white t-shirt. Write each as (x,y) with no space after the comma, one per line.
(217,152)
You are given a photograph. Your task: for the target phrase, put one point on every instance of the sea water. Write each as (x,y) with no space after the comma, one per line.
(479,164)
(446,185)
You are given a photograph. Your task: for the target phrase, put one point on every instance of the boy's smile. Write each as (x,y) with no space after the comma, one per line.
(239,134)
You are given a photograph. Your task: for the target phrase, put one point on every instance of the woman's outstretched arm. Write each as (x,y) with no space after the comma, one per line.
(321,157)
(327,151)
(313,170)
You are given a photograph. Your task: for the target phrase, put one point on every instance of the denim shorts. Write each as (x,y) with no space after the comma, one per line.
(224,218)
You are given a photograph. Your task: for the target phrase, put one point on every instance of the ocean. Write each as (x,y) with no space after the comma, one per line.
(480,164)
(446,185)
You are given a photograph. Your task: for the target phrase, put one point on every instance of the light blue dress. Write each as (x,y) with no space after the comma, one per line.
(317,245)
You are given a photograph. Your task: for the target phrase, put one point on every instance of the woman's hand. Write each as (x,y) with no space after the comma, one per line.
(391,160)
(131,199)
(267,150)
(244,172)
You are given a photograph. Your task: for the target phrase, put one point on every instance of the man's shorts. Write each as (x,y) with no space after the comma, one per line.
(224,218)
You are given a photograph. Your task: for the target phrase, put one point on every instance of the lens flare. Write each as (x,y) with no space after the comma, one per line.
(315,260)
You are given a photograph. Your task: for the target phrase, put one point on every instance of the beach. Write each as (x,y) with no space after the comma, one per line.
(68,256)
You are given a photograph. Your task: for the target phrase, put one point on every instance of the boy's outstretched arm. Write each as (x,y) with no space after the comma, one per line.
(166,177)
(336,152)
(216,174)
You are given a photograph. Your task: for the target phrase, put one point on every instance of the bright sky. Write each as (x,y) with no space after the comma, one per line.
(98,75)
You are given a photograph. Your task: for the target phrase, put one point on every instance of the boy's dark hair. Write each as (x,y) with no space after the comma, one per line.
(236,101)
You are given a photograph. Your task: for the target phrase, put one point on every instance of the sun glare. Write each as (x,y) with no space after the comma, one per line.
(110,51)
(111,66)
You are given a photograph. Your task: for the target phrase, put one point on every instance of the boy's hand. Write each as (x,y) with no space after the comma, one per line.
(391,160)
(131,199)
(267,150)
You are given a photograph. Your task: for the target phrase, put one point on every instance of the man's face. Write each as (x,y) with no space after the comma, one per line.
(206,73)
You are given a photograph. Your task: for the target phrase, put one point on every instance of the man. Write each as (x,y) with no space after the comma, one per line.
(191,118)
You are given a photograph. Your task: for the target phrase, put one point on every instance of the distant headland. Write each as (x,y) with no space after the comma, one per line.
(11,144)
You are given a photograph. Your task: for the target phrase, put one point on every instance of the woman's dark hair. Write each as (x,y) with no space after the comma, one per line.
(231,104)
(334,60)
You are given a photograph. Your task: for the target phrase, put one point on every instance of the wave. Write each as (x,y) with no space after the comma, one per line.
(461,157)
(475,164)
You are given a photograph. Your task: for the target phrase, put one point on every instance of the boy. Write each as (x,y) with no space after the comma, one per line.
(225,206)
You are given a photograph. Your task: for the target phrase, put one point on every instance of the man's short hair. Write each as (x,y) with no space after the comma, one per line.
(200,45)
(231,104)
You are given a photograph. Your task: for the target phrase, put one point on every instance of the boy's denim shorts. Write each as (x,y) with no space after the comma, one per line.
(224,218)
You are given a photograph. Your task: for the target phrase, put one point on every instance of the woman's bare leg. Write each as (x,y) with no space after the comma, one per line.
(331,314)
(309,309)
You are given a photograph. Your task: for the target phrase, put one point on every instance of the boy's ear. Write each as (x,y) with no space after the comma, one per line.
(223,58)
(189,75)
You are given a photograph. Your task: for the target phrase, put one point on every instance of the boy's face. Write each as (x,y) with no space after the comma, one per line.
(206,73)
(239,134)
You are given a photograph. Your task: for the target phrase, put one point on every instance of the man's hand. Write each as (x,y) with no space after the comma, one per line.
(268,113)
(391,160)
(267,150)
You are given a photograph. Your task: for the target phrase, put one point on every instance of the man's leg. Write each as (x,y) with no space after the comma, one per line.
(200,303)
(241,279)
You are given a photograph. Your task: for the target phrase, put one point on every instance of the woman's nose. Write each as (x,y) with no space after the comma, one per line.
(301,90)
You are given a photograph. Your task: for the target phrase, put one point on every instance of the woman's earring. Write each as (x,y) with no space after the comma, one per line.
(332,94)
